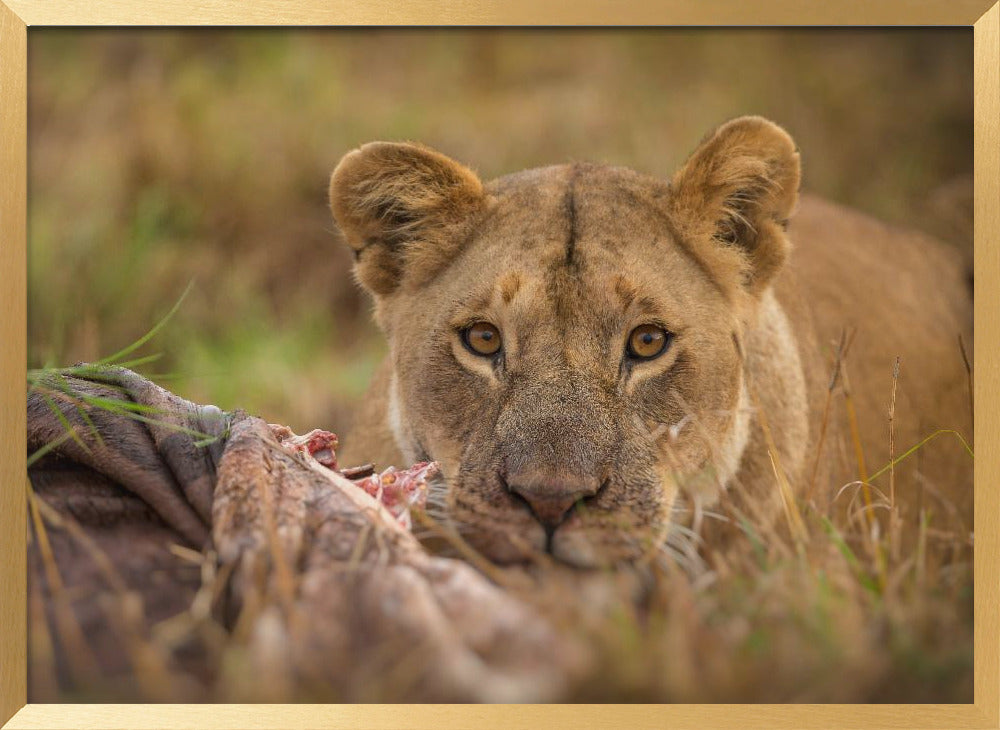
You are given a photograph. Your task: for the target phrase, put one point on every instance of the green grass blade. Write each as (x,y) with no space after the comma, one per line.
(98,370)
(67,426)
(852,559)
(172,426)
(920,444)
(116,406)
(35,456)
(128,350)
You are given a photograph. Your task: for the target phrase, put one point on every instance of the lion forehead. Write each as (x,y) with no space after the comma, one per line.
(572,238)
(548,209)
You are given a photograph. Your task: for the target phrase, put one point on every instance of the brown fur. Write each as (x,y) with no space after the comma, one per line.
(565,261)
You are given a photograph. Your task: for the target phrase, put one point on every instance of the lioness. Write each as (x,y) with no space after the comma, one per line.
(578,344)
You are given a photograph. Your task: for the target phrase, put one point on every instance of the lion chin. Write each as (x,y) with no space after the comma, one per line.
(571,543)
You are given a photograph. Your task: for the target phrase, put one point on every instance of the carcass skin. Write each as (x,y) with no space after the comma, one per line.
(162,569)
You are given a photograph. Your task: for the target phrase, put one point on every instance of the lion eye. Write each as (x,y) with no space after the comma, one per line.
(482,338)
(648,341)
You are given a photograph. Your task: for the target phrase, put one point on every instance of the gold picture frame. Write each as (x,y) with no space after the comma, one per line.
(17,16)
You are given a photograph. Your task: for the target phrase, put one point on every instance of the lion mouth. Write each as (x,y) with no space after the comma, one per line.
(504,527)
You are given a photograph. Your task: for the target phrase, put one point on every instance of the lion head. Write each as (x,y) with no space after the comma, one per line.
(567,341)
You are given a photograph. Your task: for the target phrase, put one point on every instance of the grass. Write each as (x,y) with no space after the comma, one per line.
(158,158)
(828,606)
(827,611)
(53,383)
(819,607)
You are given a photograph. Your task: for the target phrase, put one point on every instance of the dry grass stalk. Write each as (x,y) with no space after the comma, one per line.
(125,611)
(64,522)
(697,643)
(920,564)
(80,660)
(42,663)
(873,540)
(893,507)
(791,509)
(842,347)
(469,553)
(360,545)
(968,372)
(187,554)
(286,582)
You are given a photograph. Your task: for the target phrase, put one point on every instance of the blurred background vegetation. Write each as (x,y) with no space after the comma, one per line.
(161,157)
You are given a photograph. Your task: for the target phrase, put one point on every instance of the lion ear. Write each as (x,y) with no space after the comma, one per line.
(401,207)
(736,193)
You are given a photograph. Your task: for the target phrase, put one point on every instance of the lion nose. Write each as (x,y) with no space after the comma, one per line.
(551,499)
